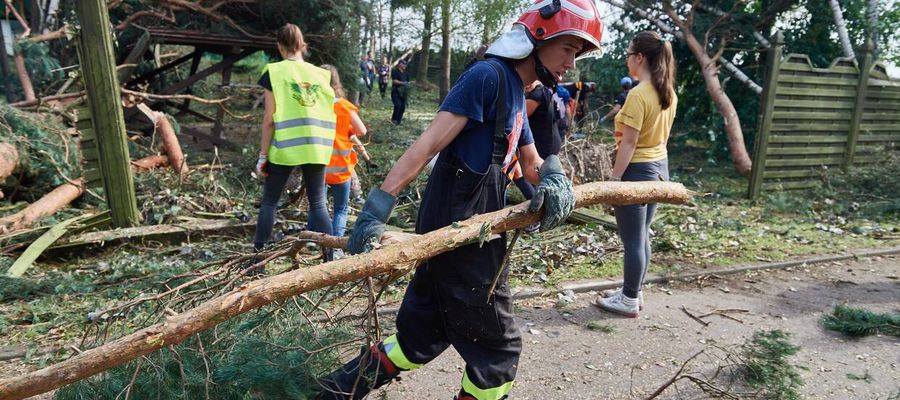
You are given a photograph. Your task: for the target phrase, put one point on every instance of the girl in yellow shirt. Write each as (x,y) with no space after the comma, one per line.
(642,129)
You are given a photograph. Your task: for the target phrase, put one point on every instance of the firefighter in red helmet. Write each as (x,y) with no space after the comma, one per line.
(480,127)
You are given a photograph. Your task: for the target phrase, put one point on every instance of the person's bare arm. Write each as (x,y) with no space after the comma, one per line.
(437,136)
(625,151)
(613,112)
(268,124)
(356,124)
(531,163)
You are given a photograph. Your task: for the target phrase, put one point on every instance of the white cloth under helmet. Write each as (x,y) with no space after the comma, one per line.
(514,44)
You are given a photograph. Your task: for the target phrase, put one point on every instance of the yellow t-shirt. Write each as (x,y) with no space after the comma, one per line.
(642,111)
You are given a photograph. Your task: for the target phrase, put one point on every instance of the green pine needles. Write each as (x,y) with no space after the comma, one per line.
(859,322)
(766,366)
(270,355)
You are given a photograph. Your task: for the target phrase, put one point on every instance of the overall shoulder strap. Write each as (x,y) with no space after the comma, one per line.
(501,113)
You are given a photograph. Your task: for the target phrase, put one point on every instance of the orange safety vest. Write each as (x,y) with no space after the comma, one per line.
(343,157)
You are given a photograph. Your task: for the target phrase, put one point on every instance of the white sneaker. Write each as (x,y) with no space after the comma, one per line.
(612,292)
(619,304)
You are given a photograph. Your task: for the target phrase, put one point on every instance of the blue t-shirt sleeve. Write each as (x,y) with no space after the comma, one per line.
(474,93)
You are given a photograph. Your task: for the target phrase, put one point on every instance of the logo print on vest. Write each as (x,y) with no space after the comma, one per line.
(305,93)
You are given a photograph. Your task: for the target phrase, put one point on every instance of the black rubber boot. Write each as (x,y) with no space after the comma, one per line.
(348,383)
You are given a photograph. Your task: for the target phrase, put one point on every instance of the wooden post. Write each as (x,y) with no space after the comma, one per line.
(4,69)
(219,126)
(858,106)
(766,108)
(101,83)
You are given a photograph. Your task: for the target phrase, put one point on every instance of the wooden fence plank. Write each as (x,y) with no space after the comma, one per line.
(767,107)
(818,80)
(837,69)
(783,139)
(789,162)
(798,173)
(812,127)
(820,104)
(810,115)
(814,92)
(791,151)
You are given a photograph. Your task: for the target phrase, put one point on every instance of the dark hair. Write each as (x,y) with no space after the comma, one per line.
(290,38)
(661,62)
(335,80)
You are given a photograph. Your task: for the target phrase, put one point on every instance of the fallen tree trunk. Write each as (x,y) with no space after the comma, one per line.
(47,205)
(256,294)
(170,146)
(148,163)
(9,159)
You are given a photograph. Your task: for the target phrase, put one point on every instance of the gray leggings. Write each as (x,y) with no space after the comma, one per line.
(634,225)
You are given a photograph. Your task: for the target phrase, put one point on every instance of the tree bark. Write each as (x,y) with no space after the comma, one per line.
(872,22)
(391,34)
(47,205)
(9,159)
(255,294)
(710,72)
(148,163)
(422,73)
(445,50)
(170,146)
(841,26)
(24,79)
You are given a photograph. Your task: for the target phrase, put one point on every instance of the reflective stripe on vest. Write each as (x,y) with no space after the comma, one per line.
(304,114)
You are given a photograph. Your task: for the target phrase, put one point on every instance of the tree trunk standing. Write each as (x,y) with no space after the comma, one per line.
(445,50)
(842,29)
(422,73)
(24,79)
(485,28)
(872,22)
(380,31)
(4,69)
(252,295)
(710,72)
(391,35)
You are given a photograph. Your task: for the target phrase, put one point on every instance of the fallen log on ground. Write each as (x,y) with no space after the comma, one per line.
(255,294)
(148,163)
(9,159)
(47,205)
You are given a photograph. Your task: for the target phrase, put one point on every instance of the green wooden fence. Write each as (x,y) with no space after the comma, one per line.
(814,119)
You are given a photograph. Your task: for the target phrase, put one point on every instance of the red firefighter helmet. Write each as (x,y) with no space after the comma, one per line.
(548,19)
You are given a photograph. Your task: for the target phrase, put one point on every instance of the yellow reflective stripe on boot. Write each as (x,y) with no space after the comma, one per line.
(496,393)
(395,354)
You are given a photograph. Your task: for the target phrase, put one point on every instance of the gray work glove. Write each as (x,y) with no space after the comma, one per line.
(555,193)
(369,225)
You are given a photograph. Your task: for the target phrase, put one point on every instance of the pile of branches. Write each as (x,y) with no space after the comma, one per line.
(47,155)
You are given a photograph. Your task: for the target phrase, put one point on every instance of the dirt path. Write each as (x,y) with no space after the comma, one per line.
(563,359)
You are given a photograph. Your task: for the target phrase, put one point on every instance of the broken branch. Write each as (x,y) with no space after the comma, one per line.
(253,295)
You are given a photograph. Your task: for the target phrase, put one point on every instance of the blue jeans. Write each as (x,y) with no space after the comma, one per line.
(340,193)
(314,178)
(634,225)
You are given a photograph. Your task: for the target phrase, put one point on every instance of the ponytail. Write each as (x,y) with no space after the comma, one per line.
(661,63)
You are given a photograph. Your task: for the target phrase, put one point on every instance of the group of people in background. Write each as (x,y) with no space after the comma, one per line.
(504,120)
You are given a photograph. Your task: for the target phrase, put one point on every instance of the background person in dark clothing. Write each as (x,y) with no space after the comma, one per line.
(399,91)
(543,116)
(384,70)
(627,84)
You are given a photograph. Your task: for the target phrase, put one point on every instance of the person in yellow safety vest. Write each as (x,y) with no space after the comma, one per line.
(343,158)
(297,130)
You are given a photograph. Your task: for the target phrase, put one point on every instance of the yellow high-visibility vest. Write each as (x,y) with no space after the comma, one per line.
(304,113)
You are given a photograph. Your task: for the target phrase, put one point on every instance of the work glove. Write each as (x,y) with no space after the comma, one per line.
(369,225)
(555,193)
(261,164)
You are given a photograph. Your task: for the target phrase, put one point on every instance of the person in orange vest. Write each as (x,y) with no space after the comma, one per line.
(343,158)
